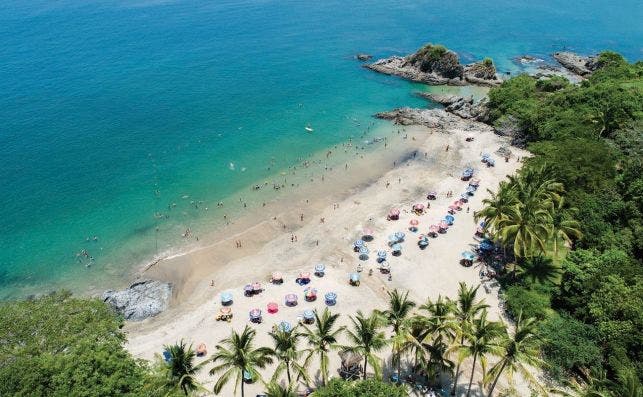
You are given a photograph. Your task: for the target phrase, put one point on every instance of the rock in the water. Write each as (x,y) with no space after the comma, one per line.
(442,99)
(436,65)
(578,64)
(363,57)
(141,300)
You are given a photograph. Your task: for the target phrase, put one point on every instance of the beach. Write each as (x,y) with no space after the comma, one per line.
(325,226)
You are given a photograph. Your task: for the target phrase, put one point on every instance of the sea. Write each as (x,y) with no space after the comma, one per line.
(121,121)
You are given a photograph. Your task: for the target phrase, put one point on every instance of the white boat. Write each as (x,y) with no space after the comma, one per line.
(309,128)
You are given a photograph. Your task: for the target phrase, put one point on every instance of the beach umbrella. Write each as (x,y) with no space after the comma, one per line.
(385,266)
(483,224)
(394,212)
(486,245)
(358,243)
(418,207)
(399,236)
(443,225)
(414,222)
(309,314)
(392,239)
(285,326)
(474,182)
(381,254)
(485,156)
(491,162)
(354,277)
(468,255)
(225,311)
(226,297)
(304,275)
(464,197)
(277,276)
(367,234)
(396,248)
(449,219)
(247,289)
(457,203)
(319,268)
(433,229)
(431,195)
(291,298)
(363,251)
(453,207)
(255,314)
(247,376)
(272,307)
(310,292)
(256,286)
(330,297)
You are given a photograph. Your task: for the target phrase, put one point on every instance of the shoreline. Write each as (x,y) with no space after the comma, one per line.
(431,272)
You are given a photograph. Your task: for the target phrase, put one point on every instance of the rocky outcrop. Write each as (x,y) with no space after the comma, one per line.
(432,118)
(436,65)
(509,126)
(363,57)
(465,108)
(577,64)
(141,300)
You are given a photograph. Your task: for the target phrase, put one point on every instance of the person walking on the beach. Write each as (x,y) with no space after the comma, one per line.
(447,149)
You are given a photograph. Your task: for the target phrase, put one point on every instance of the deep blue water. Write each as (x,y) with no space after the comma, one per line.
(111,110)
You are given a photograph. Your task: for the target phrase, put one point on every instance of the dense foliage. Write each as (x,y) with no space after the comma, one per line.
(363,388)
(62,346)
(588,138)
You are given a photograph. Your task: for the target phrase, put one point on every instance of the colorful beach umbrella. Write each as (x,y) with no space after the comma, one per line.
(225,310)
(468,255)
(394,212)
(226,297)
(418,207)
(434,228)
(354,277)
(310,292)
(309,314)
(255,313)
(381,254)
(443,225)
(256,286)
(304,275)
(272,307)
(285,326)
(396,248)
(358,243)
(320,267)
(385,266)
(291,298)
(363,251)
(330,296)
(449,219)
(400,236)
(414,222)
(277,276)
(431,195)
(392,238)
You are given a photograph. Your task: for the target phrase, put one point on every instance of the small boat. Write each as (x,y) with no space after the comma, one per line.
(309,128)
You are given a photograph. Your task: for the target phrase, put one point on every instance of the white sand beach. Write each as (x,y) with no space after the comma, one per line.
(267,247)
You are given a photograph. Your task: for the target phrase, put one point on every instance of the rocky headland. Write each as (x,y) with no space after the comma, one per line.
(464,107)
(437,65)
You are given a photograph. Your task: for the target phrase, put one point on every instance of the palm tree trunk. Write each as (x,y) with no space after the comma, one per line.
(288,371)
(457,371)
(473,369)
(242,391)
(493,385)
(365,364)
(399,366)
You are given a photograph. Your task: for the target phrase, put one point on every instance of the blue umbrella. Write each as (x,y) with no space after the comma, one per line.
(392,238)
(285,326)
(330,296)
(486,155)
(449,219)
(320,267)
(309,315)
(354,277)
(424,242)
(483,224)
(247,376)
(399,236)
(396,248)
(363,251)
(486,245)
(381,254)
(358,243)
(226,297)
(468,255)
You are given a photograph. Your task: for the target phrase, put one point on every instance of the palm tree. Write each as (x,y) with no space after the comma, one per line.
(564,226)
(540,269)
(588,385)
(497,206)
(518,350)
(286,352)
(238,356)
(367,338)
(322,338)
(482,340)
(465,311)
(274,389)
(397,316)
(438,333)
(180,367)
(527,228)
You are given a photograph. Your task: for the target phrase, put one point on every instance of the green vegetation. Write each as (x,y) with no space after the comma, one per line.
(362,388)
(432,52)
(571,222)
(488,62)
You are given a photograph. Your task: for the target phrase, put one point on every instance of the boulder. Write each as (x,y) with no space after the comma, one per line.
(141,300)
(577,64)
(363,57)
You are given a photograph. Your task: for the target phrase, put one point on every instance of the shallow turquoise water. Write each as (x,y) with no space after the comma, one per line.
(112,110)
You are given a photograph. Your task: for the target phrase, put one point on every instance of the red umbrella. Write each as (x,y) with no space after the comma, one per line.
(256,286)
(443,225)
(394,212)
(272,307)
(434,228)
(418,207)
(304,275)
(414,222)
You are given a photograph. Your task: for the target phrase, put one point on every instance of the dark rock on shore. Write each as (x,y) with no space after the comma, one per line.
(363,57)
(141,300)
(436,65)
(465,108)
(577,64)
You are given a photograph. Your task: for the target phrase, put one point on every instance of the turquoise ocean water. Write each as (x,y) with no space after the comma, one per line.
(112,110)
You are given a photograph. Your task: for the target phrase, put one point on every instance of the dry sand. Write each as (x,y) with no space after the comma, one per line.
(267,247)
